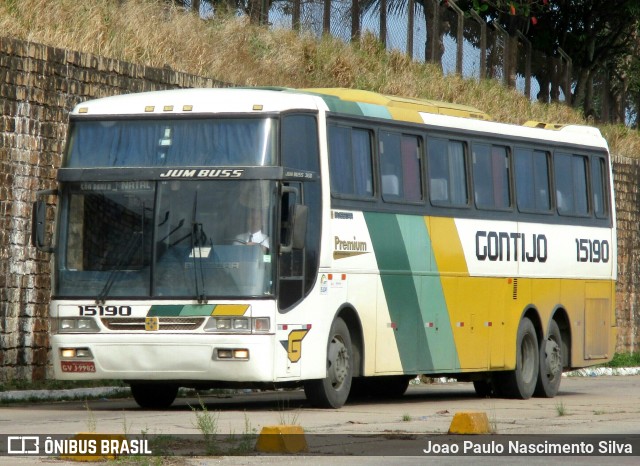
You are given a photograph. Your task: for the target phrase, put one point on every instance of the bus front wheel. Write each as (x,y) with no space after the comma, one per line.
(550,363)
(154,395)
(333,390)
(521,382)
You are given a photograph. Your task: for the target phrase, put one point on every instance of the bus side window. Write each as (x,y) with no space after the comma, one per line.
(598,187)
(491,176)
(532,180)
(571,184)
(447,172)
(350,161)
(400,166)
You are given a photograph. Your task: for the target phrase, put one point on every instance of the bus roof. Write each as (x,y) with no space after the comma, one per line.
(336,100)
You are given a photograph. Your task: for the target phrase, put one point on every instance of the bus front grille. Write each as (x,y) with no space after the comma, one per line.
(164,323)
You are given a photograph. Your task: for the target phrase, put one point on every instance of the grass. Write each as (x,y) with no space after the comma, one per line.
(92,424)
(624,360)
(155,33)
(561,409)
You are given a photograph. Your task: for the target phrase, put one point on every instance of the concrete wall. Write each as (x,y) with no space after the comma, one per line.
(39,85)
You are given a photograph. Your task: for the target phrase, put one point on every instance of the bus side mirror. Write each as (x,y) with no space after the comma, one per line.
(298,228)
(300,215)
(39,221)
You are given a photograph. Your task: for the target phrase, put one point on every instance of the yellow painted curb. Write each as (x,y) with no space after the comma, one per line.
(90,446)
(281,439)
(470,423)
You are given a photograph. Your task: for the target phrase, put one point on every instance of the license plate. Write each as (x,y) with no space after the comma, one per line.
(78,366)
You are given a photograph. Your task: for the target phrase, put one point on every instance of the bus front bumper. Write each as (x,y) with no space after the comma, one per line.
(233,358)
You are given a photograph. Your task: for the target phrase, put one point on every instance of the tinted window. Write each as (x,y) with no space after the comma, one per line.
(447,172)
(300,150)
(400,167)
(598,186)
(532,180)
(571,184)
(491,176)
(350,161)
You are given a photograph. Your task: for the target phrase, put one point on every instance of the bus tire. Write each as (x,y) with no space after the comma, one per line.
(333,390)
(521,382)
(154,395)
(550,372)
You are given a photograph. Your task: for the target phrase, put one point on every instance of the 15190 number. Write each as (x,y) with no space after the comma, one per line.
(588,250)
(105,310)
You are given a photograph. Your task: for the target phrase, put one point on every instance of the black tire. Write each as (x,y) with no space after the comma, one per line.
(154,395)
(551,357)
(333,390)
(521,382)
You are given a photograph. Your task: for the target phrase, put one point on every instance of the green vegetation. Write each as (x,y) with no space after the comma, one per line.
(561,409)
(229,49)
(624,360)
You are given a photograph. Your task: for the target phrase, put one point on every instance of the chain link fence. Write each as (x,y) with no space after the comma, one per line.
(458,41)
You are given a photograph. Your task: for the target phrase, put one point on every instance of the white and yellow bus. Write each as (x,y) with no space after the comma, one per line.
(337,239)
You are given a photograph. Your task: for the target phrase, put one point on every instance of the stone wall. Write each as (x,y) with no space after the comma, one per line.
(626,175)
(39,85)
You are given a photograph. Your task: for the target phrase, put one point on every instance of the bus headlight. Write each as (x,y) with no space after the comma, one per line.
(77,325)
(241,324)
(238,324)
(223,324)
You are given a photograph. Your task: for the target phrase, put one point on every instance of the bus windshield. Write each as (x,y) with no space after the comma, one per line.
(171,142)
(183,239)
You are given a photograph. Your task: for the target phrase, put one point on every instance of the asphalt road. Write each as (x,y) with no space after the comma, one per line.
(584,406)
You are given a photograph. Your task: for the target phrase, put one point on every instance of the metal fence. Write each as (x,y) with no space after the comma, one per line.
(460,42)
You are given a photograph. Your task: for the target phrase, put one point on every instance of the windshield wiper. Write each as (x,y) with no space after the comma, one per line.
(124,257)
(198,239)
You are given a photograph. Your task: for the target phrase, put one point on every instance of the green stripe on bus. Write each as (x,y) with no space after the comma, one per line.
(435,321)
(413,291)
(376,111)
(338,105)
(175,310)
(399,287)
(168,310)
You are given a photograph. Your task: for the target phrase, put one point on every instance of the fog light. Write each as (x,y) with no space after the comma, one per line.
(68,352)
(84,353)
(225,354)
(241,354)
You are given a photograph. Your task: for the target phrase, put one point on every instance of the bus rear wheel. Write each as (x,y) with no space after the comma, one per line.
(333,390)
(550,363)
(154,395)
(521,382)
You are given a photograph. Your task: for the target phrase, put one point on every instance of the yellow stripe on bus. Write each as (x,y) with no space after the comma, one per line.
(230,309)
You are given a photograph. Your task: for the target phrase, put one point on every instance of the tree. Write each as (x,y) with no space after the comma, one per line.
(600,37)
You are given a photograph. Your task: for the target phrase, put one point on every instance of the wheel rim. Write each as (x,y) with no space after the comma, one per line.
(338,362)
(527,358)
(553,359)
